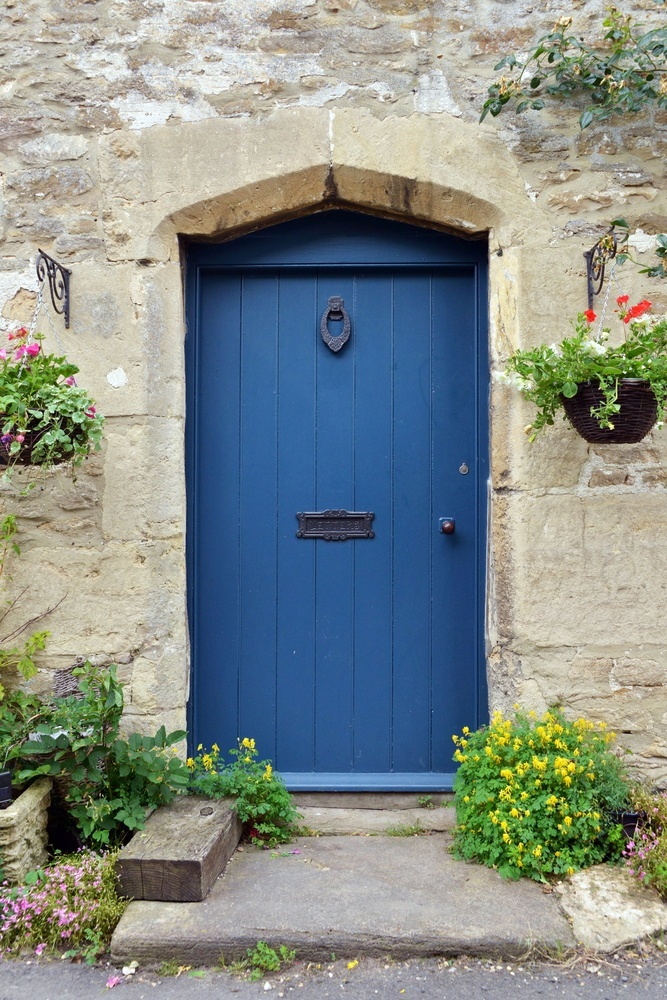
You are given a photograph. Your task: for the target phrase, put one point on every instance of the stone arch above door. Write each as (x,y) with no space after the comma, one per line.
(220,177)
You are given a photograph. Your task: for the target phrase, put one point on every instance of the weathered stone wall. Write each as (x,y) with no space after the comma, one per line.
(125,123)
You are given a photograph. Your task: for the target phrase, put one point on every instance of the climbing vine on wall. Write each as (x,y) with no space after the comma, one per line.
(624,74)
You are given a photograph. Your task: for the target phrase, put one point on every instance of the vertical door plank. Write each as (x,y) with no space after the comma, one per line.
(413,522)
(216,557)
(335,560)
(373,697)
(455,607)
(258,463)
(295,663)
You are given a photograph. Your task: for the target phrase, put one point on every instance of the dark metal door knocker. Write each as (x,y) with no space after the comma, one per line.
(335,310)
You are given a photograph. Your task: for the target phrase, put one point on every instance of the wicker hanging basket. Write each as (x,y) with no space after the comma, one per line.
(23,457)
(638,413)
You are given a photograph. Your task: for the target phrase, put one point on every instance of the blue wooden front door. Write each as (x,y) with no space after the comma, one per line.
(351,663)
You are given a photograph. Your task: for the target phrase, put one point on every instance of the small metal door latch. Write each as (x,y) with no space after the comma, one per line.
(463,469)
(335,310)
(447,525)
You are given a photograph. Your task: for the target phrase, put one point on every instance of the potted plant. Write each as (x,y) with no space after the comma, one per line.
(5,789)
(609,393)
(45,417)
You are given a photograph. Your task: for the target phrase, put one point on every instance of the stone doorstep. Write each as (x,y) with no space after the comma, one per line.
(387,896)
(375,821)
(370,800)
(186,844)
(375,904)
(355,896)
(181,851)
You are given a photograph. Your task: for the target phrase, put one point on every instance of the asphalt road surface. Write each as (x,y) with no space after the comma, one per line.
(640,974)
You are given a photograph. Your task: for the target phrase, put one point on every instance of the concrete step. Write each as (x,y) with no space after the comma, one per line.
(398,822)
(371,800)
(349,896)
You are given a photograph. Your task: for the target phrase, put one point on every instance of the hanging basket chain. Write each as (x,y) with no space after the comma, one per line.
(38,305)
(612,280)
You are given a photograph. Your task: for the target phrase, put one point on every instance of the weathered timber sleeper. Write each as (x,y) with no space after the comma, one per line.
(182,850)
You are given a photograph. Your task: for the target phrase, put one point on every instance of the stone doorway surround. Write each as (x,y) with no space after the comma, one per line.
(220,178)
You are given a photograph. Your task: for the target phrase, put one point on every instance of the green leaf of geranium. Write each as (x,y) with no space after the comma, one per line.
(570,389)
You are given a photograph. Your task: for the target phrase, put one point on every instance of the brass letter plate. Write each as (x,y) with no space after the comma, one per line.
(335,525)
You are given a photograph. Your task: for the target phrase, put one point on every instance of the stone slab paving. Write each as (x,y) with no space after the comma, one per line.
(348,896)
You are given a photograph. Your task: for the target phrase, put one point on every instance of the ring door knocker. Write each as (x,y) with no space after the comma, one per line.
(335,310)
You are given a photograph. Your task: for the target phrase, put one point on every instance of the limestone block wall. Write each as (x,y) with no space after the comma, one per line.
(125,124)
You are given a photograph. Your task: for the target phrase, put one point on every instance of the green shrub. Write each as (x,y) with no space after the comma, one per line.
(262,802)
(107,783)
(531,795)
(44,411)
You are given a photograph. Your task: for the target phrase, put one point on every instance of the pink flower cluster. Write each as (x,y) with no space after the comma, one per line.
(57,911)
(637,850)
(23,350)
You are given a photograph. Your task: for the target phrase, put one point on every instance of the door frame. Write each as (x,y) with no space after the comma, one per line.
(430,782)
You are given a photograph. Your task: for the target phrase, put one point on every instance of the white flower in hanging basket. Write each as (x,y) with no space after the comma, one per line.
(609,393)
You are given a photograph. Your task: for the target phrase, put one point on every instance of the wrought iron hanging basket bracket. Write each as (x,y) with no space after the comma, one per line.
(58,277)
(596,261)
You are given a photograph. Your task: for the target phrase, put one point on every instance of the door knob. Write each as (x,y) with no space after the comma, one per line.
(447,525)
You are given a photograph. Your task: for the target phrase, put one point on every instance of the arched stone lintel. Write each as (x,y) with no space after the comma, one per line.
(273,200)
(402,198)
(434,170)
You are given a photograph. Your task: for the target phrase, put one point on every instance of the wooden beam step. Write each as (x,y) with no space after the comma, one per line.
(182,850)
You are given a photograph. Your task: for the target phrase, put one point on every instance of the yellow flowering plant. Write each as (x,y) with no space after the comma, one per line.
(533,795)
(262,801)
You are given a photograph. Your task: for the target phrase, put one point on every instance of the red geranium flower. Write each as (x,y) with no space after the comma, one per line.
(590,316)
(638,310)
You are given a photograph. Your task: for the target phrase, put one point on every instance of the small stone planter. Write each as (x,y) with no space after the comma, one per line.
(23,836)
